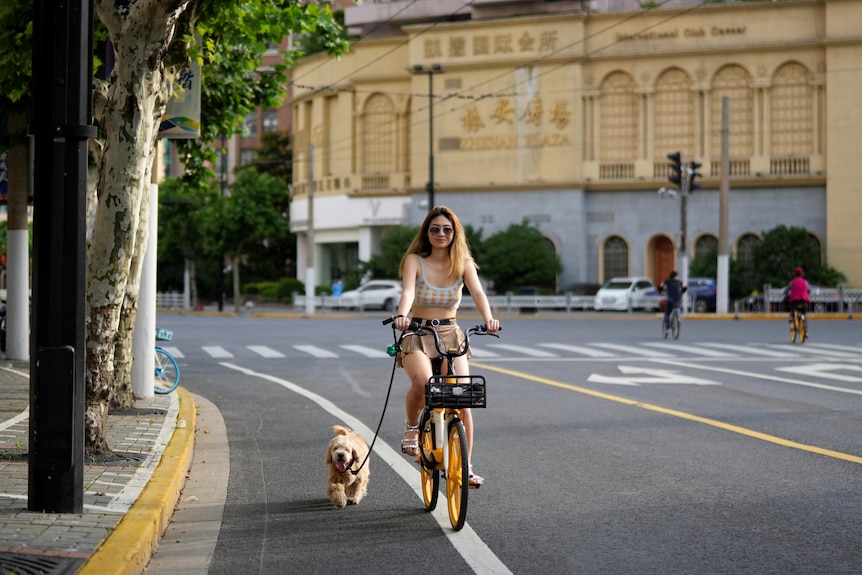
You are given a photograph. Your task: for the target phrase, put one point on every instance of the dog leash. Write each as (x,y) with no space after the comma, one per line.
(380,423)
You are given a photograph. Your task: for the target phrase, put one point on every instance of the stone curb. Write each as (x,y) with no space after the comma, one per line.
(128,549)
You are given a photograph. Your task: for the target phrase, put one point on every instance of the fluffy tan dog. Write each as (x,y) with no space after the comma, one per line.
(346,452)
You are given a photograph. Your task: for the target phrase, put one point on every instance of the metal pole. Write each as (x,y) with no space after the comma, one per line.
(430,186)
(723,288)
(310,279)
(221,265)
(62,124)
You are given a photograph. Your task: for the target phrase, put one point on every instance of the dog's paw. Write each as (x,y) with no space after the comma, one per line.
(339,502)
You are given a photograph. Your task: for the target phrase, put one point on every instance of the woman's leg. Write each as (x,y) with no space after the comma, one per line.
(462,367)
(418,368)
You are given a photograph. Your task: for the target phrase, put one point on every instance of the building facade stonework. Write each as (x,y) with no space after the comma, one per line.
(566,119)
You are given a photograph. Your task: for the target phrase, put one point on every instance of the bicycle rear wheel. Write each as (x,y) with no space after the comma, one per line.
(167,372)
(427,468)
(793,323)
(457,474)
(803,328)
(674,323)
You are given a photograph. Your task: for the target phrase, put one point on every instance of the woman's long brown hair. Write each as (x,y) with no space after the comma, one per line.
(459,251)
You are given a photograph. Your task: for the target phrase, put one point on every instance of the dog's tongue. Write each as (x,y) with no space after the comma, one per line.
(342,467)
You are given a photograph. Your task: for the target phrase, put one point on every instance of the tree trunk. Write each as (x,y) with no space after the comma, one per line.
(123,395)
(237,297)
(193,282)
(141,32)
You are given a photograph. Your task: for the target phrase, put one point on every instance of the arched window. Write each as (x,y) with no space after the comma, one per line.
(615,257)
(816,246)
(705,245)
(735,83)
(674,115)
(745,256)
(792,114)
(619,118)
(378,136)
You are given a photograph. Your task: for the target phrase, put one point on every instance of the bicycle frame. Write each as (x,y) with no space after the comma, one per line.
(442,437)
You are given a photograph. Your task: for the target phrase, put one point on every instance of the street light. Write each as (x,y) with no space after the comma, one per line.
(430,70)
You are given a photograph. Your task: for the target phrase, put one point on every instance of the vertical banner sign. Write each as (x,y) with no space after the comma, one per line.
(182,119)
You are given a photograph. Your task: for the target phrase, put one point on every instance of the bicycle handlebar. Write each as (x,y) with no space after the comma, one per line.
(419,330)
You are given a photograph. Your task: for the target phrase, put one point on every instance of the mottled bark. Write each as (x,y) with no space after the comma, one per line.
(141,32)
(123,396)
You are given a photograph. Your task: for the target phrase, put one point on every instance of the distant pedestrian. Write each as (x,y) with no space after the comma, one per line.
(337,288)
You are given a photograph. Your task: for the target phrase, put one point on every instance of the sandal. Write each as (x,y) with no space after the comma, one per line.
(475,481)
(410,446)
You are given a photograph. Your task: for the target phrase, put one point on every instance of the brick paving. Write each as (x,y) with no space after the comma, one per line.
(66,540)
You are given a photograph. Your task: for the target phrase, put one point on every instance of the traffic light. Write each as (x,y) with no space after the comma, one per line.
(675,176)
(692,174)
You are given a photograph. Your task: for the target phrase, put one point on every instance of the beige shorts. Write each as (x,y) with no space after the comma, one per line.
(451,337)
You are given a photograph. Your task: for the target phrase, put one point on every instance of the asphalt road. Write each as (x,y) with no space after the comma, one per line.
(605,448)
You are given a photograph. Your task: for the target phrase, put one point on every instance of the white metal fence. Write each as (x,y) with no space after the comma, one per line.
(825,300)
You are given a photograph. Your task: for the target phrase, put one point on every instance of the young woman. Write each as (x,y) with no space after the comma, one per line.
(434,270)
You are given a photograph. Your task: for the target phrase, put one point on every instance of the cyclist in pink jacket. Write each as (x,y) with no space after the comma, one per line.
(798,293)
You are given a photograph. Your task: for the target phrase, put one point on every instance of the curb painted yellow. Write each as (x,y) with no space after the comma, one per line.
(129,548)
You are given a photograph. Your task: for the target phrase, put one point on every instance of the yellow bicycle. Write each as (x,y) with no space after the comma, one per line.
(442,439)
(798,326)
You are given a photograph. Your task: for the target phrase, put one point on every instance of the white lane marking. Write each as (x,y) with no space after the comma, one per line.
(173,351)
(468,544)
(639,375)
(825,370)
(523,350)
(759,376)
(578,349)
(216,351)
(264,351)
(747,349)
(851,348)
(805,349)
(633,350)
(366,351)
(315,351)
(482,352)
(689,349)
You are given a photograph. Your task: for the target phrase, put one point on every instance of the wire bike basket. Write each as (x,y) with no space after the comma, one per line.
(455,391)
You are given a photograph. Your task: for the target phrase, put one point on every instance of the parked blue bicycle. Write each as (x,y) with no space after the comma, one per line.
(167,370)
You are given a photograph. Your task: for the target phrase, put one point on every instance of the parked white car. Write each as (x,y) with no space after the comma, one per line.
(377,294)
(621,293)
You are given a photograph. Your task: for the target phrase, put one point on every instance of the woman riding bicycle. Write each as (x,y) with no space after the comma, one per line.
(674,289)
(437,256)
(798,295)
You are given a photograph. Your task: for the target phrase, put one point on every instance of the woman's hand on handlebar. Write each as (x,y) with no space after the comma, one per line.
(401,323)
(492,326)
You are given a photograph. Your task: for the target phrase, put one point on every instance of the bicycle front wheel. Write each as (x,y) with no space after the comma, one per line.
(167,372)
(664,329)
(674,324)
(427,467)
(457,474)
(803,329)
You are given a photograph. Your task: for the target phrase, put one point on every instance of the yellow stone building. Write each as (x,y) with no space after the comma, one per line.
(563,114)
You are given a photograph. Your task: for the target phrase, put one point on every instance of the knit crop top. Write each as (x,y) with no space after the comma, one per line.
(430,296)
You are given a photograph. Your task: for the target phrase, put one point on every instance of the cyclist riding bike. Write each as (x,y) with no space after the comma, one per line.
(674,289)
(798,295)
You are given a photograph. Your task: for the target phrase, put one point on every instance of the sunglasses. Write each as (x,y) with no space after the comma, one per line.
(447,230)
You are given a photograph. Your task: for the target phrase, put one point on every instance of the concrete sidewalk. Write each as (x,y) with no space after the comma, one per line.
(128,500)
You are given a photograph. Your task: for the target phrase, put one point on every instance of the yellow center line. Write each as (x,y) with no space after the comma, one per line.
(675,413)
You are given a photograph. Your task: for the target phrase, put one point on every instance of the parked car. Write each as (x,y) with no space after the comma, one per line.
(702,292)
(622,293)
(582,294)
(378,294)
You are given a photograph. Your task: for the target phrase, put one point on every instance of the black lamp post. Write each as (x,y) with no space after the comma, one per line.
(430,70)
